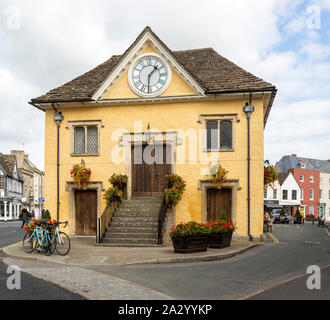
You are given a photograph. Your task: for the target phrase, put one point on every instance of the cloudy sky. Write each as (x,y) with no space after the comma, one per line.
(44,44)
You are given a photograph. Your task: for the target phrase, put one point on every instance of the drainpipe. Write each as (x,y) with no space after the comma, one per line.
(248,109)
(58,118)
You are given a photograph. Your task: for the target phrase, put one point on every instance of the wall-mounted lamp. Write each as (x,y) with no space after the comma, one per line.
(148,134)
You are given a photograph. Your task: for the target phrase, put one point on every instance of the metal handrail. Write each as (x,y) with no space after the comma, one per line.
(104,220)
(161,219)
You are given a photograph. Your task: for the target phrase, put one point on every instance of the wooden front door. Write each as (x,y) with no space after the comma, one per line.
(217,201)
(85,212)
(150,164)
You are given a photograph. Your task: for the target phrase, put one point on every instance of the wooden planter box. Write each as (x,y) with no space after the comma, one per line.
(190,244)
(220,240)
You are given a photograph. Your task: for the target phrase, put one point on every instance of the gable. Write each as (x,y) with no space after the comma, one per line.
(290,183)
(121,89)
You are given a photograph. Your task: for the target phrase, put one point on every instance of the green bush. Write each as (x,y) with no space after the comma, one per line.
(46,215)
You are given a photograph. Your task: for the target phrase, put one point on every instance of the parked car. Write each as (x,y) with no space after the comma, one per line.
(281,218)
(275,213)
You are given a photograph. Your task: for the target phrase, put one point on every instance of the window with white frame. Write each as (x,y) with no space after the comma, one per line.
(311,179)
(265,193)
(311,194)
(320,193)
(294,195)
(311,209)
(274,193)
(321,180)
(301,178)
(302,194)
(285,194)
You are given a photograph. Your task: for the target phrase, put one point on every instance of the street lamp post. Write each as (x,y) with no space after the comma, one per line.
(58,118)
(248,109)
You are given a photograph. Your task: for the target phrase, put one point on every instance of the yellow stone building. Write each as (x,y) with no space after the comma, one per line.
(193,102)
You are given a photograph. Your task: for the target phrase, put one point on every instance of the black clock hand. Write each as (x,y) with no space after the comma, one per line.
(149,76)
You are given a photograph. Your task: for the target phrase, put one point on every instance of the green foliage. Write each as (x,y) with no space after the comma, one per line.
(176,187)
(46,215)
(221,226)
(224,215)
(191,228)
(220,176)
(119,181)
(113,194)
(270,174)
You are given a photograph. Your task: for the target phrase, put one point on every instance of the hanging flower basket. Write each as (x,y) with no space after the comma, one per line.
(113,194)
(80,174)
(176,187)
(270,174)
(119,180)
(220,176)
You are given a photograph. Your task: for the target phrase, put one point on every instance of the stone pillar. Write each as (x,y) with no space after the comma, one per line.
(5,207)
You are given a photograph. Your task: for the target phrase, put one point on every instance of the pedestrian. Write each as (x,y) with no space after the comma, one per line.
(25,216)
(32,214)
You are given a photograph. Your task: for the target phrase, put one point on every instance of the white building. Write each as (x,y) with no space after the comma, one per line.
(325,195)
(285,193)
(11,187)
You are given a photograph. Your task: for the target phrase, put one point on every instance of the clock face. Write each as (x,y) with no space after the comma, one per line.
(149,76)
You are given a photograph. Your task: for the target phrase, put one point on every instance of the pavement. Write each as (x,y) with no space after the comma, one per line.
(85,252)
(74,272)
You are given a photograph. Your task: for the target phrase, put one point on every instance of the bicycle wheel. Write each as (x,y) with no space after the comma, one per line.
(62,244)
(28,243)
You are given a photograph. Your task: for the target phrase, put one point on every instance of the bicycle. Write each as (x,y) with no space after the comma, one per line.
(44,239)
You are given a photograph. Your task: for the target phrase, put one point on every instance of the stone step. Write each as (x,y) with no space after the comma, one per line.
(135,224)
(135,229)
(139,209)
(121,236)
(110,244)
(130,241)
(135,219)
(140,205)
(135,214)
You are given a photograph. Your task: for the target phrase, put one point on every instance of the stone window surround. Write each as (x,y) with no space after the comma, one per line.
(205,184)
(72,124)
(233,117)
(71,187)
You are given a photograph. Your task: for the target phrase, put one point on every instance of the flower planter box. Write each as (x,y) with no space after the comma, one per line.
(190,244)
(220,240)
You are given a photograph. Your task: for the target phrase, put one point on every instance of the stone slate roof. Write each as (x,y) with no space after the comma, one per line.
(213,72)
(281,177)
(8,164)
(291,162)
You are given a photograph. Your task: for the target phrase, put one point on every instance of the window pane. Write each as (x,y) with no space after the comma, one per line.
(2,182)
(212,135)
(92,140)
(79,140)
(225,135)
